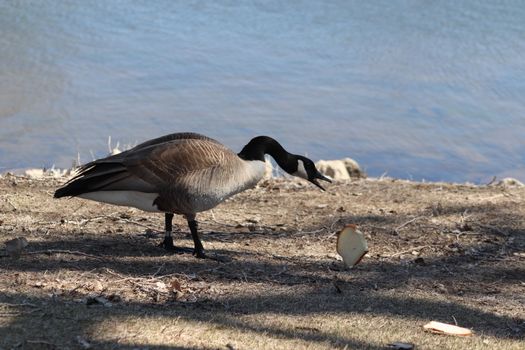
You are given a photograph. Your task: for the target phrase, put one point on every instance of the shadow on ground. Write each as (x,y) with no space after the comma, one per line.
(379,286)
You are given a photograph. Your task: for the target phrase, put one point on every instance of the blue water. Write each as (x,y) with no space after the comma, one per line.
(430,90)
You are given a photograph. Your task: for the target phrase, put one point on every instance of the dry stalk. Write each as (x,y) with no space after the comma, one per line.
(495,229)
(407,223)
(409,251)
(158,271)
(139,224)
(11,204)
(41,342)
(21,304)
(61,251)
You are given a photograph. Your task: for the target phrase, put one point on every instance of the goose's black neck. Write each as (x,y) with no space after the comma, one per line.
(261,145)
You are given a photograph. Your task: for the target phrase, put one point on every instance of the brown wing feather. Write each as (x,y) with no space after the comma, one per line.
(167,164)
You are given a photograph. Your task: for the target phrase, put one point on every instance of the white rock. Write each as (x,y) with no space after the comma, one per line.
(510,182)
(41,173)
(342,169)
(354,170)
(268,170)
(336,169)
(35,173)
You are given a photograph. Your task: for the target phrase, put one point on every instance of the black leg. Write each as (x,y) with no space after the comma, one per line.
(168,239)
(168,227)
(168,222)
(199,249)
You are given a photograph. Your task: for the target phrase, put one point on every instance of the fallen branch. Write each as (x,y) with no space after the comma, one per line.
(140,224)
(495,229)
(11,204)
(158,271)
(59,251)
(15,305)
(41,342)
(408,251)
(491,181)
(407,223)
(215,222)
(82,222)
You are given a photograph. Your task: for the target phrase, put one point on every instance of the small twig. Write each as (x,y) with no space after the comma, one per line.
(217,223)
(40,342)
(157,272)
(8,201)
(145,278)
(116,274)
(15,305)
(139,224)
(82,222)
(407,223)
(333,224)
(60,251)
(495,229)
(408,251)
(78,208)
(311,232)
(19,313)
(283,270)
(491,181)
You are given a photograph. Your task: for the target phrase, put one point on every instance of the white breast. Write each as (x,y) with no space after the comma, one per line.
(139,200)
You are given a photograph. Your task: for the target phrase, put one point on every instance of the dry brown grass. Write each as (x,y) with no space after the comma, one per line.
(437,252)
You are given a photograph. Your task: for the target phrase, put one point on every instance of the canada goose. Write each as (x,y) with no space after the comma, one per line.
(182,173)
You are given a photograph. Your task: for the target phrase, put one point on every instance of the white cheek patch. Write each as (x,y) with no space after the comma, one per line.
(301,171)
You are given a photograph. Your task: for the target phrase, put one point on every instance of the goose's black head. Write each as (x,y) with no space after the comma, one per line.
(293,164)
(305,168)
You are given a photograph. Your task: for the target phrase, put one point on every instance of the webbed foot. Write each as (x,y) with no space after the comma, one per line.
(202,255)
(170,247)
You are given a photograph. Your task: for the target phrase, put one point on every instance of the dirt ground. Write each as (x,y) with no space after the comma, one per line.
(93,276)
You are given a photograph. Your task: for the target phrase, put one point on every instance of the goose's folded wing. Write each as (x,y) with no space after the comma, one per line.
(170,163)
(151,168)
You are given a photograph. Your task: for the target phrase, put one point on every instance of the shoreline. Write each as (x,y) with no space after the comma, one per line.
(65,174)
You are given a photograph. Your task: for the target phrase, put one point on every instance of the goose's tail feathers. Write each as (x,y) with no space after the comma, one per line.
(93,177)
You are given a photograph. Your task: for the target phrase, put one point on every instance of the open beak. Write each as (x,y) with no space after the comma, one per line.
(320,177)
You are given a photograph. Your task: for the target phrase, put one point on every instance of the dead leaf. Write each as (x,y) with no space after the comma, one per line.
(175,286)
(444,328)
(16,246)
